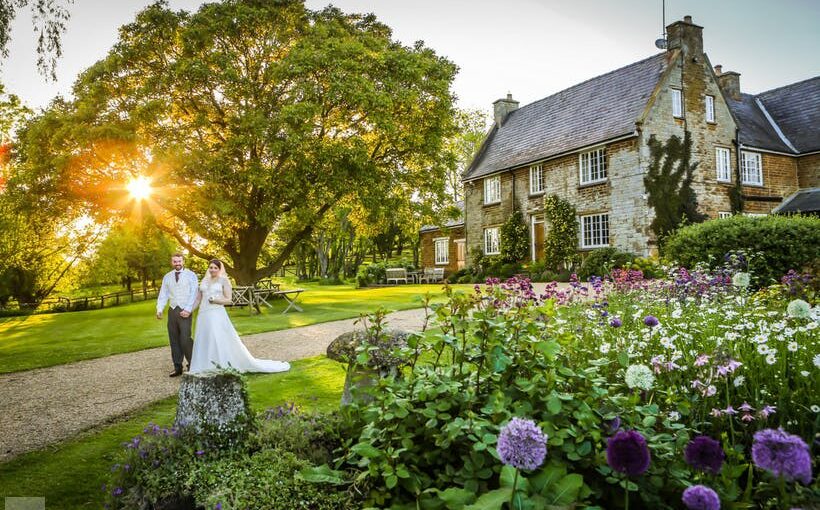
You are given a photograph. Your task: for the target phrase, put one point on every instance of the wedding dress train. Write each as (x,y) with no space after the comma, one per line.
(216,342)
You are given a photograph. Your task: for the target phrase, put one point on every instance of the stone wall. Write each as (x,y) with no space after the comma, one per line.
(808,171)
(428,252)
(620,196)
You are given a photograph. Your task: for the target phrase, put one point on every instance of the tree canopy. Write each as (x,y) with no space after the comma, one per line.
(49,18)
(252,119)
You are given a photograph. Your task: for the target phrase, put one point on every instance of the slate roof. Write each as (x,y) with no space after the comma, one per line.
(804,201)
(755,128)
(796,110)
(594,111)
(449,223)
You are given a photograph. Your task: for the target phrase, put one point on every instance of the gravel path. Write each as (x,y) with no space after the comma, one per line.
(47,405)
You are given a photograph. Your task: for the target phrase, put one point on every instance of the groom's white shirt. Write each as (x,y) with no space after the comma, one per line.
(180,293)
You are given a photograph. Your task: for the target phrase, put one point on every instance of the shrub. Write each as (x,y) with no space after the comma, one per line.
(515,238)
(649,266)
(561,244)
(458,275)
(601,261)
(778,243)
(267,479)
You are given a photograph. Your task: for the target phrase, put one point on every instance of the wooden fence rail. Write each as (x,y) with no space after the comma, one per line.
(64,304)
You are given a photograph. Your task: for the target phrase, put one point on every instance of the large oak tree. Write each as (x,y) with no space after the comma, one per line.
(252,118)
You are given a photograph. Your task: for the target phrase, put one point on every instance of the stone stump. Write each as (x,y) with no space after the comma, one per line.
(382,361)
(213,402)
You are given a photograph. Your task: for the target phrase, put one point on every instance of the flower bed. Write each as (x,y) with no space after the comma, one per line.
(688,392)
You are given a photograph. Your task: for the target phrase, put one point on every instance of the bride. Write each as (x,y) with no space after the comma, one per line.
(216,342)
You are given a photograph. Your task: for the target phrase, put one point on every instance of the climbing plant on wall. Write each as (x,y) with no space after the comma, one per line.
(669,184)
(561,243)
(515,238)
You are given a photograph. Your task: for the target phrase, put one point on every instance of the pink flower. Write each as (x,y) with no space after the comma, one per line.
(734,365)
(767,411)
(696,383)
(701,360)
(715,412)
(746,407)
(730,411)
(747,417)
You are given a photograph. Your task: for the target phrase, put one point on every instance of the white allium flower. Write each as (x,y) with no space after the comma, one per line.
(739,380)
(604,348)
(771,359)
(674,415)
(741,280)
(815,409)
(817,360)
(804,373)
(639,376)
(792,346)
(799,309)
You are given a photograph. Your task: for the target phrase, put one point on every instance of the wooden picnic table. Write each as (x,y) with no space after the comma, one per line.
(259,294)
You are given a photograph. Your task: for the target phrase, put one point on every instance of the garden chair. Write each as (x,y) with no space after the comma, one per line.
(396,275)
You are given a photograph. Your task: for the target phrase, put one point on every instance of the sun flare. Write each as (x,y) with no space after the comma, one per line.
(140,188)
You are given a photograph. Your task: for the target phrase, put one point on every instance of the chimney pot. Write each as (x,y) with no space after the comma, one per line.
(687,19)
(718,69)
(730,84)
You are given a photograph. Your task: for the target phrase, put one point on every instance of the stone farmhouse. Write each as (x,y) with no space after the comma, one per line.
(589,145)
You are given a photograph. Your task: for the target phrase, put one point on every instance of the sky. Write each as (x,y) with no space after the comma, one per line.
(529,48)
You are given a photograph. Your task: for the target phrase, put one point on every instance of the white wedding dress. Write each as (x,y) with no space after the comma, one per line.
(216,342)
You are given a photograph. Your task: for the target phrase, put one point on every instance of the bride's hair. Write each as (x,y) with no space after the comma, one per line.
(218,263)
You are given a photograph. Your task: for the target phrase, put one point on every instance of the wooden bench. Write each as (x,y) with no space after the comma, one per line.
(432,275)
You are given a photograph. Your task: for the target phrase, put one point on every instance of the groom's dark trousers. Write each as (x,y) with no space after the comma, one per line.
(179,333)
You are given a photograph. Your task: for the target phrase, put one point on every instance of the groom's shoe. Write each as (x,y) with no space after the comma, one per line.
(176,373)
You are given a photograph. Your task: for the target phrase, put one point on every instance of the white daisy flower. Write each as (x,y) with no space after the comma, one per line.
(792,346)
(771,359)
(739,380)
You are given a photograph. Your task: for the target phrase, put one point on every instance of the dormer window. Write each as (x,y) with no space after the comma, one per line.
(677,103)
(592,166)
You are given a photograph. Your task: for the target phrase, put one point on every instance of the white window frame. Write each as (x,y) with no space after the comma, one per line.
(536,179)
(723,164)
(755,214)
(724,214)
(677,103)
(492,189)
(492,244)
(710,108)
(592,167)
(599,235)
(745,157)
(442,255)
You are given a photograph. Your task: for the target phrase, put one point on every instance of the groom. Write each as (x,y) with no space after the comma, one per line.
(179,287)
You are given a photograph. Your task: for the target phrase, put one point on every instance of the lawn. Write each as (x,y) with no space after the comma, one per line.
(51,339)
(70,474)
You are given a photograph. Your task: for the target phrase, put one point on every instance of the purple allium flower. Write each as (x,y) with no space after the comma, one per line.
(651,321)
(627,452)
(522,444)
(730,411)
(701,497)
(200,453)
(782,454)
(705,454)
(615,322)
(746,407)
(118,491)
(218,506)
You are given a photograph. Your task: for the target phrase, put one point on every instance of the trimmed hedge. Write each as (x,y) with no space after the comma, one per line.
(774,244)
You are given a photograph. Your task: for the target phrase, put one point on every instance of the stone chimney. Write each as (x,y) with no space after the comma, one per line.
(687,36)
(718,70)
(730,84)
(502,108)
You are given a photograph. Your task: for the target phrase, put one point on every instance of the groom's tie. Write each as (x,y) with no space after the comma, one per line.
(176,275)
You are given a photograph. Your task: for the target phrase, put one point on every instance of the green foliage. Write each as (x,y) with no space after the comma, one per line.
(49,19)
(602,261)
(649,266)
(347,116)
(669,184)
(777,243)
(561,243)
(514,238)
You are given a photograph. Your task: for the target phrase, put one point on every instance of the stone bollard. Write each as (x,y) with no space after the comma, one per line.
(214,404)
(382,361)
